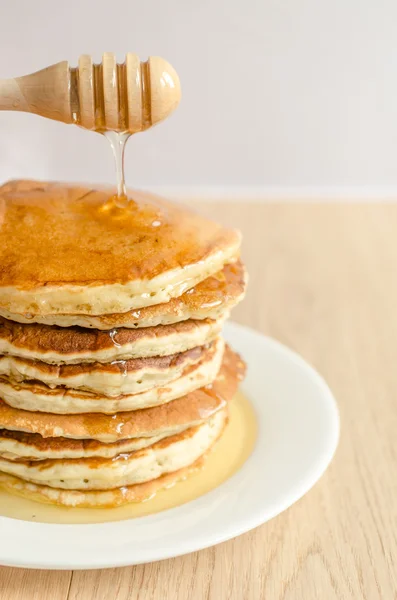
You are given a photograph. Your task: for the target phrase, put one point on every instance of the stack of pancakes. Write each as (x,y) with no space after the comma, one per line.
(114,377)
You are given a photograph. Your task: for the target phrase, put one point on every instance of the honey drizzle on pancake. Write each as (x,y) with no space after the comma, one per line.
(236,443)
(146,238)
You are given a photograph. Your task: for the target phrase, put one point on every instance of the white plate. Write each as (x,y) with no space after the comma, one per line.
(298,434)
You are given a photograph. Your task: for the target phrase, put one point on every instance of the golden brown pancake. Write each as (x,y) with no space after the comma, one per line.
(75,250)
(210,299)
(170,454)
(188,410)
(110,379)
(58,345)
(97,499)
(18,445)
(35,396)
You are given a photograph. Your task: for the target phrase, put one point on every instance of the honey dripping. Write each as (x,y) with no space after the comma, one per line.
(118,143)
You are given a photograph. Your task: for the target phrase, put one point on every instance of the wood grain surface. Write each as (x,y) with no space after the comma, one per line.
(323,281)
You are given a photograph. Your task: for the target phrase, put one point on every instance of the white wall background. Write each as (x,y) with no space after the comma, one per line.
(285,93)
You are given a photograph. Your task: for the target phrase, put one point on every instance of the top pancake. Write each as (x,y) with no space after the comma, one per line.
(74,250)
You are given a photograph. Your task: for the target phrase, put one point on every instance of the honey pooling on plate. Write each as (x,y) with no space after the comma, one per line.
(236,443)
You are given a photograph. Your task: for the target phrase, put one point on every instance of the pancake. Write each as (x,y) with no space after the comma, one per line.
(58,345)
(189,410)
(110,379)
(68,249)
(97,499)
(17,446)
(170,454)
(210,299)
(34,396)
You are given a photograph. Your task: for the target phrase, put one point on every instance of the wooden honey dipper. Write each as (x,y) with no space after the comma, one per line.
(127,97)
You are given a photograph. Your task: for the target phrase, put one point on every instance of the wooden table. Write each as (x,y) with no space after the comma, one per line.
(323,281)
